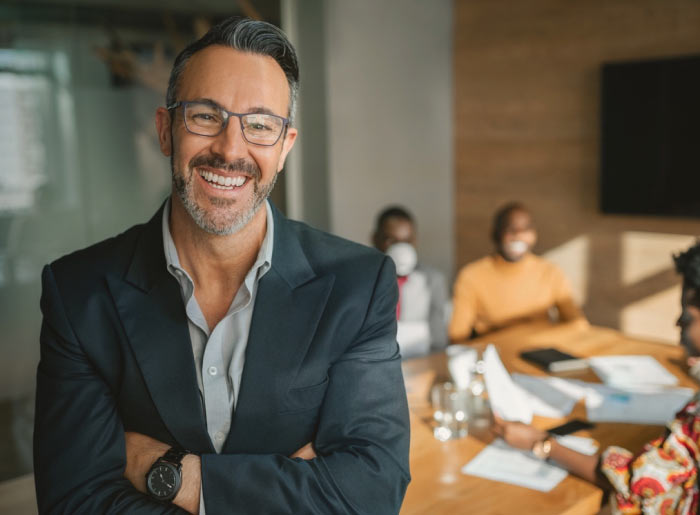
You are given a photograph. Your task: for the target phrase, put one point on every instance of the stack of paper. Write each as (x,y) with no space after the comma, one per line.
(608,404)
(547,396)
(638,390)
(631,371)
(500,462)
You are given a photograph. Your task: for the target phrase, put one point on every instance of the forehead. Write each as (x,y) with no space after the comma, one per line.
(518,219)
(236,80)
(397,226)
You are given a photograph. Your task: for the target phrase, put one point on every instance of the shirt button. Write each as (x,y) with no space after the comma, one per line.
(219,436)
(212,371)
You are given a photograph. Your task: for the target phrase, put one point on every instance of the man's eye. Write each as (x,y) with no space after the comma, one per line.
(258,127)
(205,117)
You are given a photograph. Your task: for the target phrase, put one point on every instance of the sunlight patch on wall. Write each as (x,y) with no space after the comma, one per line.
(654,316)
(645,254)
(572,258)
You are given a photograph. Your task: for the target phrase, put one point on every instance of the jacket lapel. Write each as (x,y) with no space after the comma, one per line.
(150,306)
(288,306)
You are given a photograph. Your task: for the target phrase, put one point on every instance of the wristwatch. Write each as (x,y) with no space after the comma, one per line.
(164,478)
(543,448)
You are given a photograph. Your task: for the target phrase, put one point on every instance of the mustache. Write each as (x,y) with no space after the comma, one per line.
(239,165)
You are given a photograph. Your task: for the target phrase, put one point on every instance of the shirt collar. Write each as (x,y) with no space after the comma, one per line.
(262,262)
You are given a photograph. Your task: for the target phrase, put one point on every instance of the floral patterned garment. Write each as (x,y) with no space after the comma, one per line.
(663,478)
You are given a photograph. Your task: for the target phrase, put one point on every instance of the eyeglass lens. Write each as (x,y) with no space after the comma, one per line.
(209,120)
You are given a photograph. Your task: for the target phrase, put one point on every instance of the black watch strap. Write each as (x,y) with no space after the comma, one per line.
(175,455)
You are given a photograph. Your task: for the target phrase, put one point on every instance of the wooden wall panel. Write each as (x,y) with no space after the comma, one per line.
(527,80)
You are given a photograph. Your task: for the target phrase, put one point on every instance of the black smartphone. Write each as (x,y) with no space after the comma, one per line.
(570,427)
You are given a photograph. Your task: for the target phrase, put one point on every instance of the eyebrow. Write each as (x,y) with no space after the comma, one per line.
(252,110)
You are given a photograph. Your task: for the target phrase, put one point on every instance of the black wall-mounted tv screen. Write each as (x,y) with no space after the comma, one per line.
(650,145)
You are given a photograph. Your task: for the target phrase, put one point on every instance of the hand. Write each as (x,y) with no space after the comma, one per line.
(306,453)
(518,435)
(142,451)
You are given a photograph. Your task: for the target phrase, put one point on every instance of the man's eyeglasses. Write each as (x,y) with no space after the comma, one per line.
(206,119)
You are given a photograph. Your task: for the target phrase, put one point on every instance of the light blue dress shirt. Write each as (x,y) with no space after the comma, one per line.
(219,353)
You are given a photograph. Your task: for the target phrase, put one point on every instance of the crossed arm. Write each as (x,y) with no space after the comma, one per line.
(82,452)
(142,451)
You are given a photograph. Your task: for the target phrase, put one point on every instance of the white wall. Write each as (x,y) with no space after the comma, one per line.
(388,115)
(389,67)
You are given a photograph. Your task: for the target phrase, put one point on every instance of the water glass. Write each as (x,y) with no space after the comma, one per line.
(450,411)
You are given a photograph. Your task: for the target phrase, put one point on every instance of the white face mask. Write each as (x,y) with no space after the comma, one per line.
(516,248)
(404,256)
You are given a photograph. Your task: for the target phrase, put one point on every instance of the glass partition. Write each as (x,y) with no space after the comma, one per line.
(79,156)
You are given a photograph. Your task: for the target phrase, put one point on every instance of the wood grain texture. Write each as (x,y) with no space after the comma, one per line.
(526,107)
(438,487)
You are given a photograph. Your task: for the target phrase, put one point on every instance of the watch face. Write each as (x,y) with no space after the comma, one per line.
(163,481)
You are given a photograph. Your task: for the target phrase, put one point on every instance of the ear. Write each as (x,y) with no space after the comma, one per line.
(289,139)
(163,127)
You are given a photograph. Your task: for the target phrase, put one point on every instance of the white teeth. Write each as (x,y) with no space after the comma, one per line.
(223,183)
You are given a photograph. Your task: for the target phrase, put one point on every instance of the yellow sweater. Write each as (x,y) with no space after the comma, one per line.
(492,293)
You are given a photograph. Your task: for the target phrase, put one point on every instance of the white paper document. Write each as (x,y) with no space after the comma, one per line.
(508,400)
(631,371)
(548,396)
(608,404)
(500,462)
(582,444)
(461,363)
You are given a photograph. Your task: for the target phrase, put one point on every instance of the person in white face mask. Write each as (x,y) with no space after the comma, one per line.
(512,285)
(420,312)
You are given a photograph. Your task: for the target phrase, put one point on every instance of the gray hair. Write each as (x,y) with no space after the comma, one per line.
(246,35)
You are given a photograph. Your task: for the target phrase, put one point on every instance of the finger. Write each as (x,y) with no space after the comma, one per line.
(306,452)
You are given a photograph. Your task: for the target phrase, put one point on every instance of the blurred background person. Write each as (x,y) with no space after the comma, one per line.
(512,285)
(663,477)
(422,326)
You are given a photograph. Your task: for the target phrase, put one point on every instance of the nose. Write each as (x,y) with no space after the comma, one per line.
(230,144)
(683,320)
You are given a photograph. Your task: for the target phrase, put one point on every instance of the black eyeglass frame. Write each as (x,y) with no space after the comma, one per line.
(227,116)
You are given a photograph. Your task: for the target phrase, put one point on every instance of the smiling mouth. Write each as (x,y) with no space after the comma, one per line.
(221,182)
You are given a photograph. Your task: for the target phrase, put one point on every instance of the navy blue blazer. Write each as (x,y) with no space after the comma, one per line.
(322,365)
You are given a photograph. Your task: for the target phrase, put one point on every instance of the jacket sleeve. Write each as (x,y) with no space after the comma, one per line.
(79,446)
(361,443)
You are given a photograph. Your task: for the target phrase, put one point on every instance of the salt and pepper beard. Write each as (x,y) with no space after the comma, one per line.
(235,220)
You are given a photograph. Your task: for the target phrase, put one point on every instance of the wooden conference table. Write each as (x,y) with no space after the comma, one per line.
(438,486)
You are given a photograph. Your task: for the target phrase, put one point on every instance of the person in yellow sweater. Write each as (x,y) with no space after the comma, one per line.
(513,285)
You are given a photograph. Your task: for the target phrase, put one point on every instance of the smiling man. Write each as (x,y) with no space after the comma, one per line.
(221,358)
